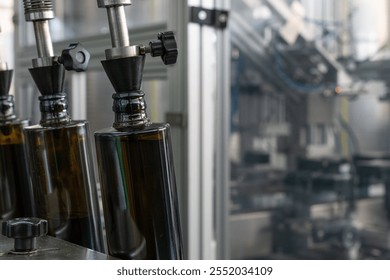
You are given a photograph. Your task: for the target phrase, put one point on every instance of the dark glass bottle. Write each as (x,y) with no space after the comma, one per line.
(58,148)
(15,189)
(137,174)
(60,165)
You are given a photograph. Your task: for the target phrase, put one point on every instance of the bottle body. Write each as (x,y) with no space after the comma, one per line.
(64,183)
(139,193)
(15,189)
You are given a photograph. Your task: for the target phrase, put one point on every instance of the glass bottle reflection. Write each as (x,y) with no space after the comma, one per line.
(15,189)
(137,174)
(139,193)
(64,183)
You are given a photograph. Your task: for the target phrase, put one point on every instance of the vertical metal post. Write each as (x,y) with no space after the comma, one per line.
(208,123)
(222,176)
(178,79)
(201,123)
(194,147)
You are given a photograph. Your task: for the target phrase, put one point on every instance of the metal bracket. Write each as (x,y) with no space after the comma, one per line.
(215,18)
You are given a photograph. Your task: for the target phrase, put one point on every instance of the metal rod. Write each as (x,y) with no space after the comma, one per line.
(39,12)
(43,39)
(118,26)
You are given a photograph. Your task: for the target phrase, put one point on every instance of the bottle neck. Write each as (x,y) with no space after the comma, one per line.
(54,109)
(130,110)
(7,108)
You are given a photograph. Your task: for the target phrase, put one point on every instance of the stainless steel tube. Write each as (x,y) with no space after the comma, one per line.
(118,26)
(39,12)
(43,39)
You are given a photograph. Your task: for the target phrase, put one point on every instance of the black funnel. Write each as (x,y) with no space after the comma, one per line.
(49,79)
(5,81)
(125,74)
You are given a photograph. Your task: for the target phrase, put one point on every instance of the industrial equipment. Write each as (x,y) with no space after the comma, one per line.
(62,172)
(274,108)
(135,158)
(300,178)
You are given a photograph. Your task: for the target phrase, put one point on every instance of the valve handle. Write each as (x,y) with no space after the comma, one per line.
(165,46)
(24,231)
(75,58)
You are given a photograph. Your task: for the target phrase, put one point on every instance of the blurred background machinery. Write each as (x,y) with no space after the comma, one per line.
(279,110)
(309,134)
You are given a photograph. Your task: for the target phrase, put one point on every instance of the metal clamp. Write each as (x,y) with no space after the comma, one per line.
(215,18)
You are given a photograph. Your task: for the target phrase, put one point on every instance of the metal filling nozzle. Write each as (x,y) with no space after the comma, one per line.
(48,69)
(165,46)
(118,29)
(40,12)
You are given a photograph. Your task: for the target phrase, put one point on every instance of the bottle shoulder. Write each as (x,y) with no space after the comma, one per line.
(150,128)
(15,123)
(11,132)
(71,124)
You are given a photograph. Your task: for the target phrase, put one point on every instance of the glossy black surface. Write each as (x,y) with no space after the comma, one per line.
(139,193)
(64,184)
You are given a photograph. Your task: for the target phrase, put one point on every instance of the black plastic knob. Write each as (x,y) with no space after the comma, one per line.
(24,231)
(75,57)
(166,47)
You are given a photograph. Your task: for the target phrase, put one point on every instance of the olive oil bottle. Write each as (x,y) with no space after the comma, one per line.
(135,156)
(15,189)
(59,148)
